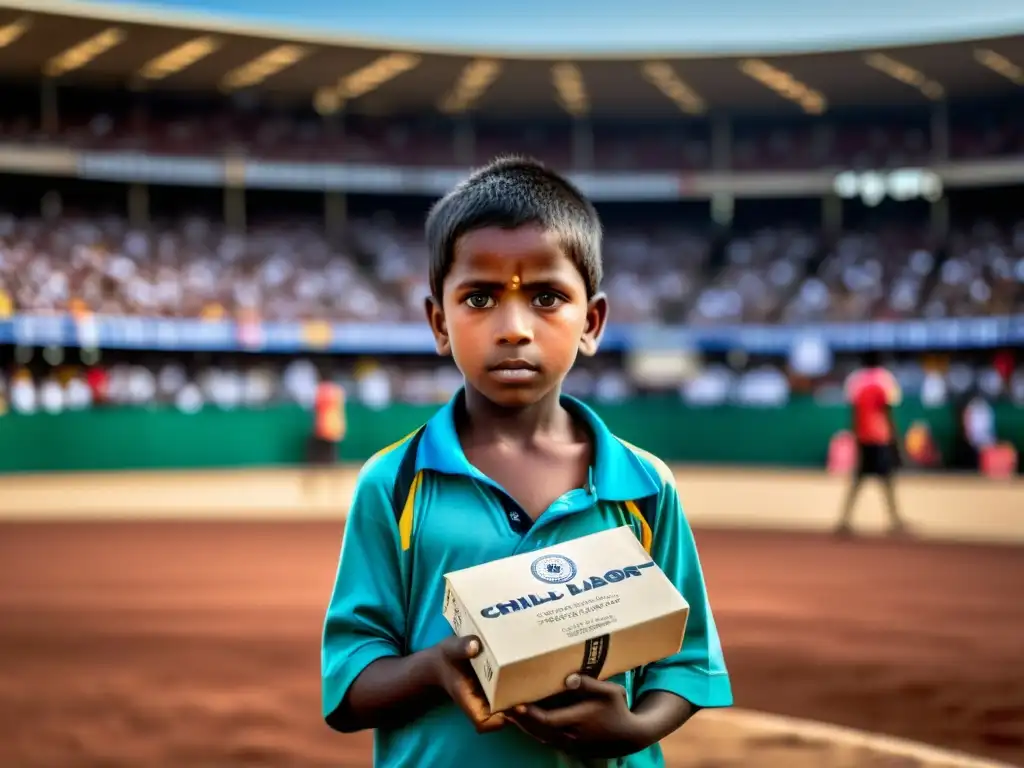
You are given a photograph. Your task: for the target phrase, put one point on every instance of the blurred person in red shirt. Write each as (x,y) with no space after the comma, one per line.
(98,381)
(872,392)
(328,425)
(1004,362)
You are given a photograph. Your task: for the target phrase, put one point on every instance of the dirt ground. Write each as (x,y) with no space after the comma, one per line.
(197,644)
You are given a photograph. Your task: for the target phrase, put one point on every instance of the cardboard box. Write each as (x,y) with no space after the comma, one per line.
(597,604)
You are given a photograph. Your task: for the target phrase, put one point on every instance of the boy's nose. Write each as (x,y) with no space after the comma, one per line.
(513,325)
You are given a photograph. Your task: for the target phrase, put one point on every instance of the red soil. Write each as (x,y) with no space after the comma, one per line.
(175,644)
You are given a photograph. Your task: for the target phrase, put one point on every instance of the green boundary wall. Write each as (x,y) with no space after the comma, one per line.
(153,438)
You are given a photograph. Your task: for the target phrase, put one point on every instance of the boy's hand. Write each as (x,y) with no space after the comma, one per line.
(455,675)
(599,725)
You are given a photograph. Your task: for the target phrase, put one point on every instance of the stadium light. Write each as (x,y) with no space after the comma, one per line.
(379,71)
(179,58)
(80,54)
(906,74)
(785,85)
(11,32)
(477,76)
(572,94)
(902,184)
(329,99)
(326,101)
(664,78)
(1000,65)
(263,66)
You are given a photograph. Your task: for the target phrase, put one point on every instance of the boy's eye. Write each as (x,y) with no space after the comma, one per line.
(479,301)
(547,300)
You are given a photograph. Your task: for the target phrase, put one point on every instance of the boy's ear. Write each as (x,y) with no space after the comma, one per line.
(435,317)
(597,319)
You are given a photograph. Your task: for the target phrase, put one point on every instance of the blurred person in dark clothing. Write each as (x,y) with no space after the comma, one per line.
(976,430)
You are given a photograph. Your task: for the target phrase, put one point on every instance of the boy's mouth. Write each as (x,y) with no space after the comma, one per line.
(515,370)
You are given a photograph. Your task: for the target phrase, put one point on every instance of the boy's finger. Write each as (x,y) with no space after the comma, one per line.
(474,705)
(493,723)
(471,688)
(588,684)
(557,719)
(480,714)
(461,648)
(530,714)
(471,647)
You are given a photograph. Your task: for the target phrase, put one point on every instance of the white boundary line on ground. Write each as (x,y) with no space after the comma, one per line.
(927,755)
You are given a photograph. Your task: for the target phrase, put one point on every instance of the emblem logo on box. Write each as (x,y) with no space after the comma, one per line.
(553,569)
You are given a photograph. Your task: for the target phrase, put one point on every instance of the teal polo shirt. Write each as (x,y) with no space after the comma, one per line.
(421,510)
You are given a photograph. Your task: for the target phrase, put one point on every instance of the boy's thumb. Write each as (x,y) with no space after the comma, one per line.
(470,647)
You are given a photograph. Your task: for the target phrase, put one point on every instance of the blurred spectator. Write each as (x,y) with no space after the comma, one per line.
(23,394)
(920,446)
(98,382)
(979,424)
(374,386)
(933,389)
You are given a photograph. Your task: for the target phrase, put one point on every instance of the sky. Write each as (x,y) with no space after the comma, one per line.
(722,26)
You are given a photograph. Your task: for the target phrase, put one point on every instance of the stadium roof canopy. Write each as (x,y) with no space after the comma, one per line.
(565,27)
(78,42)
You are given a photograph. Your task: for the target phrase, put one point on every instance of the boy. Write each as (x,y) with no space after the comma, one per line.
(509,465)
(872,392)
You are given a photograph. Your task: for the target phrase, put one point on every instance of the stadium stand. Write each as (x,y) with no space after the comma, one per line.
(201,221)
(180,125)
(748,204)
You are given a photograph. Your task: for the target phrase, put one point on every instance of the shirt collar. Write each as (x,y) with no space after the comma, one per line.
(618,473)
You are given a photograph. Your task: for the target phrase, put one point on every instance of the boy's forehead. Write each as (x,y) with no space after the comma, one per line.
(519,251)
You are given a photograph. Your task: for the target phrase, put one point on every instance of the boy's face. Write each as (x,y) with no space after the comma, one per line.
(514,314)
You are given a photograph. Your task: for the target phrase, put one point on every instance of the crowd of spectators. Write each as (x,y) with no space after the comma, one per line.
(67,384)
(375,272)
(658,270)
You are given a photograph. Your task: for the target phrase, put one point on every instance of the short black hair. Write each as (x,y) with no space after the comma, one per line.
(511,192)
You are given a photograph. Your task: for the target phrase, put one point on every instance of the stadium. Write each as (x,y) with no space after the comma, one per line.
(204,215)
